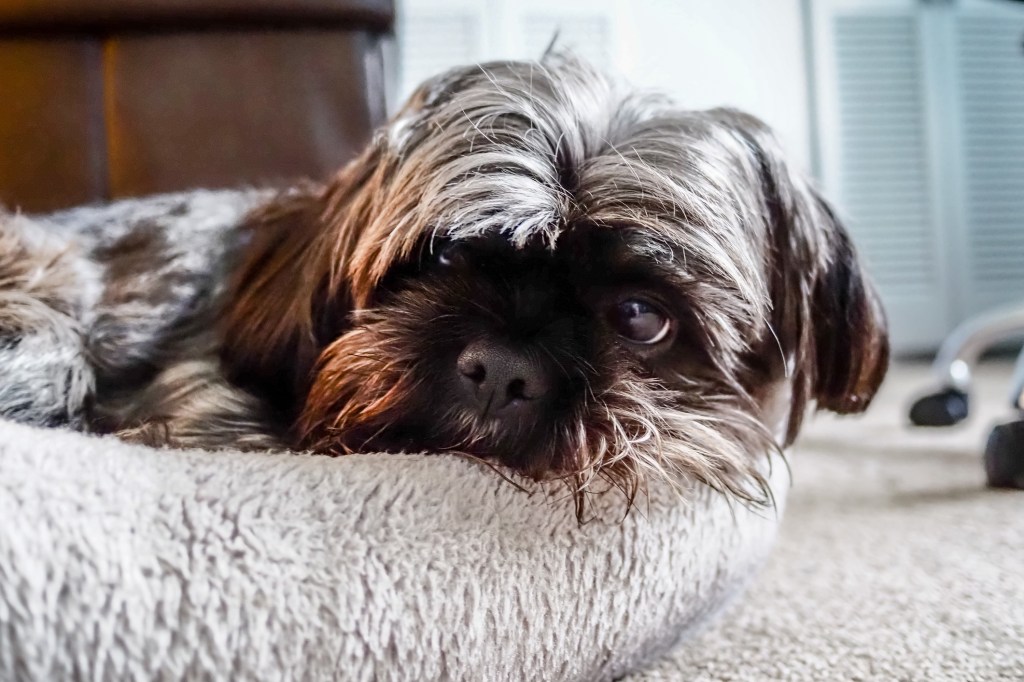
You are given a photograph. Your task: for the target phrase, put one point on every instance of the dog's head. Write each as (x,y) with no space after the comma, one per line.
(534,265)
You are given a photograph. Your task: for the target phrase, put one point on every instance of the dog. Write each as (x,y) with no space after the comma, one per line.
(531,264)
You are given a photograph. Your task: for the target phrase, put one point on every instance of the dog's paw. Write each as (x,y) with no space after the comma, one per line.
(44,376)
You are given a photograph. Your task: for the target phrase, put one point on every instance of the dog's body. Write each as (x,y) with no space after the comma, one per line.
(528,263)
(110,318)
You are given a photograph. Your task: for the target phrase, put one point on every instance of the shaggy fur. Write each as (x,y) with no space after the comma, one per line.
(321,318)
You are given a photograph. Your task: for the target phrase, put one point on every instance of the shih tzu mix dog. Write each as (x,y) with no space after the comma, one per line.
(530,264)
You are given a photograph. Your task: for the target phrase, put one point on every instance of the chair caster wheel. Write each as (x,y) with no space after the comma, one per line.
(944,408)
(1004,456)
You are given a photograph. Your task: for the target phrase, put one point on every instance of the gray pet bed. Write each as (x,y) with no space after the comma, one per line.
(118,561)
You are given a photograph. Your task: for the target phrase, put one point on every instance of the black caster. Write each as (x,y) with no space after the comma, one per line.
(1004,456)
(945,408)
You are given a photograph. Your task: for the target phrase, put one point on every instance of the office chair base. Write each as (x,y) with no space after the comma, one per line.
(1004,455)
(943,408)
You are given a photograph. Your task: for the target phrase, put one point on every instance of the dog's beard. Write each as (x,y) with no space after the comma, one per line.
(384,385)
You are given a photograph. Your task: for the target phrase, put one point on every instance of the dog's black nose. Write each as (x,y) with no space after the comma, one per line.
(502,382)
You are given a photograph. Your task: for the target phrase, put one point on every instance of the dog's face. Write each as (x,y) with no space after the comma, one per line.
(533,266)
(534,355)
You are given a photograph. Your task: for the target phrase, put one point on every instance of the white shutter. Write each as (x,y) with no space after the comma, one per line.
(886,186)
(875,137)
(921,122)
(990,94)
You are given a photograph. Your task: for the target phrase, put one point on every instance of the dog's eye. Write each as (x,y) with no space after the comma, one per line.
(451,255)
(640,321)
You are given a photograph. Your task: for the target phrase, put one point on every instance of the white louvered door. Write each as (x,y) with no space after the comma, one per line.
(877,160)
(921,138)
(988,47)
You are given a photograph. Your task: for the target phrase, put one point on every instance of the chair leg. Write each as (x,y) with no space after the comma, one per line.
(962,348)
(1004,455)
(1017,384)
(952,367)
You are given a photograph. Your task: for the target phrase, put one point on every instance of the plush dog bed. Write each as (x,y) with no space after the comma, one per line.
(119,561)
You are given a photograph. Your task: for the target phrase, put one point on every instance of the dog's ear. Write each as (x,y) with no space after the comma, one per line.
(851,341)
(288,296)
(826,314)
(316,253)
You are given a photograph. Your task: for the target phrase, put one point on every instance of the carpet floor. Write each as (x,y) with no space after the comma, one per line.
(895,562)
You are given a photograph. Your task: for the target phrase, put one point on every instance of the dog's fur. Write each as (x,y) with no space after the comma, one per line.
(320,318)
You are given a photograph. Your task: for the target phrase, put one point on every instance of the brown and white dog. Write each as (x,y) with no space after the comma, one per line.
(530,264)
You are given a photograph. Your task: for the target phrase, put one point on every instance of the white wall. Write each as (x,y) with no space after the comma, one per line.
(743,53)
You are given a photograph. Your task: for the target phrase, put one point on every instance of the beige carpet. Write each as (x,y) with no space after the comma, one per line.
(894,563)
